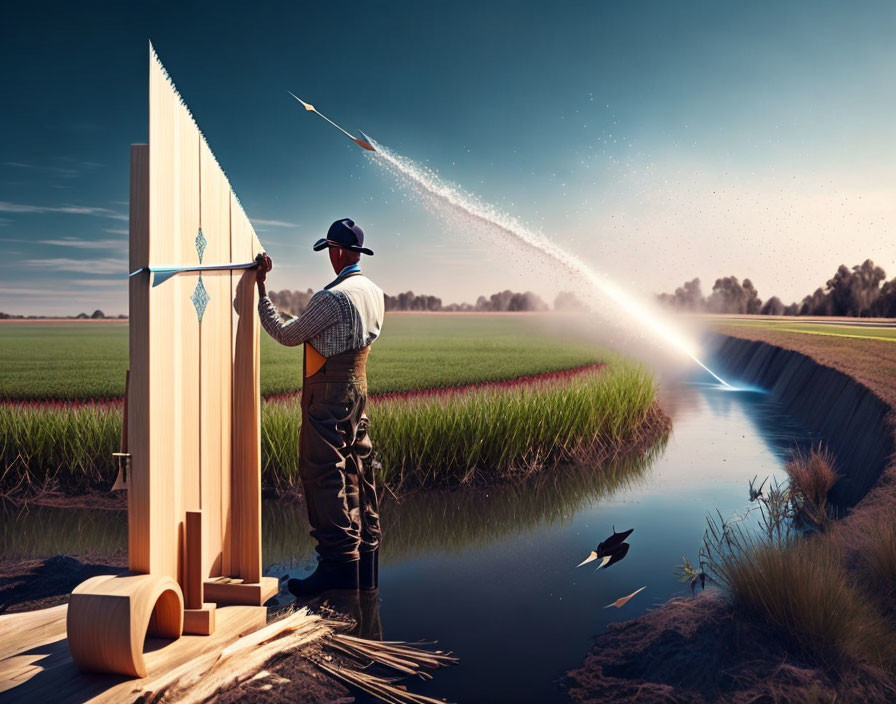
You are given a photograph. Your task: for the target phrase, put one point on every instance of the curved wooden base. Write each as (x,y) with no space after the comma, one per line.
(109,618)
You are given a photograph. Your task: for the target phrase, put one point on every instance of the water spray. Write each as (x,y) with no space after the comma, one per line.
(442,195)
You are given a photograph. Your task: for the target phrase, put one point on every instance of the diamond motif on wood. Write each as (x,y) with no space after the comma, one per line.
(200,298)
(201,242)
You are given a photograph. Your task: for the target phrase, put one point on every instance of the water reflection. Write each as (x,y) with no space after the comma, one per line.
(452,521)
(419,524)
(43,532)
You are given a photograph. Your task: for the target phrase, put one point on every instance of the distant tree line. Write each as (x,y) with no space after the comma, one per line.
(96,315)
(295,302)
(862,291)
(292,302)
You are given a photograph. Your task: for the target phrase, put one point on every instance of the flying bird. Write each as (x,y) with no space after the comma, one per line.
(622,601)
(611,550)
(754,492)
(363,143)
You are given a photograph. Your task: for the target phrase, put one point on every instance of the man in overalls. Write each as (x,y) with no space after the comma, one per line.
(335,452)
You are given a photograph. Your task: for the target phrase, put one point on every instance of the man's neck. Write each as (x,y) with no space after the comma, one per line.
(350,269)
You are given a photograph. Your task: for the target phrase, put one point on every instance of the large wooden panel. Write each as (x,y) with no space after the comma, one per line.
(193,408)
(195,413)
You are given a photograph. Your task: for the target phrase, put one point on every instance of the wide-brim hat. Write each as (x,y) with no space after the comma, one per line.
(345,234)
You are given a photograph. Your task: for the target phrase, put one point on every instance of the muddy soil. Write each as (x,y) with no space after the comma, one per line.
(31,584)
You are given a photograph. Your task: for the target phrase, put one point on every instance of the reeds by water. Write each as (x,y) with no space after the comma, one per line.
(65,448)
(443,439)
(812,476)
(796,575)
(485,432)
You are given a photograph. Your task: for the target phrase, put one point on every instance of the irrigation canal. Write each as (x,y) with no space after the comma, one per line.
(490,574)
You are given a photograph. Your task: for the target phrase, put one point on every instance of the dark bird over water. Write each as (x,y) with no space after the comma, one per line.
(611,550)
(754,492)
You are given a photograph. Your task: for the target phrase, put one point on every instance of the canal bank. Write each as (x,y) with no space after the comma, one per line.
(702,649)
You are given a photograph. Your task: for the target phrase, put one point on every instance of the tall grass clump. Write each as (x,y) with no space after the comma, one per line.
(66,448)
(805,592)
(812,476)
(877,560)
(489,432)
(787,570)
(495,432)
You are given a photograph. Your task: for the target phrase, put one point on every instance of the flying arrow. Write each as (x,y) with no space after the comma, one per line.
(363,143)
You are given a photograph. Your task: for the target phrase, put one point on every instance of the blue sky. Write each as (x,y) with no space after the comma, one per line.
(659,140)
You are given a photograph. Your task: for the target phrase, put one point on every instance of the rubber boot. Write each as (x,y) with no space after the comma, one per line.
(327,576)
(370,626)
(369,570)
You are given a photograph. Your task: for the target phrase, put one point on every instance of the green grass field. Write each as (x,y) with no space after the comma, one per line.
(813,327)
(430,440)
(77,360)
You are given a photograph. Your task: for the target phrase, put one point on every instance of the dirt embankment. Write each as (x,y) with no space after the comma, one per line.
(854,421)
(41,583)
(701,650)
(857,414)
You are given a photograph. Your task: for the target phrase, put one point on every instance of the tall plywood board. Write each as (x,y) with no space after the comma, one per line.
(194,414)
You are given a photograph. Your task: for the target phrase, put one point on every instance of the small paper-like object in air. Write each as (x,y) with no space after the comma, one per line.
(611,550)
(363,143)
(622,601)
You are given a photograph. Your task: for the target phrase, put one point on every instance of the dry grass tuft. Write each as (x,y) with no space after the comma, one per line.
(877,561)
(830,600)
(812,476)
(806,592)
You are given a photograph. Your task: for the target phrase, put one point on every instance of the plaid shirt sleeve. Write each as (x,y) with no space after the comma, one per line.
(322,312)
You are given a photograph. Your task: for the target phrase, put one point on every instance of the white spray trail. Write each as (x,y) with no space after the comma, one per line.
(429,184)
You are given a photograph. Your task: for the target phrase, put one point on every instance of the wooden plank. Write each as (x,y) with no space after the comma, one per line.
(246,408)
(241,592)
(215,359)
(185,319)
(231,512)
(45,672)
(22,631)
(173,331)
(138,392)
(192,582)
(163,513)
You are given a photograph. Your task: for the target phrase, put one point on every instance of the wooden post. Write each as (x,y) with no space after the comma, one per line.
(138,396)
(199,617)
